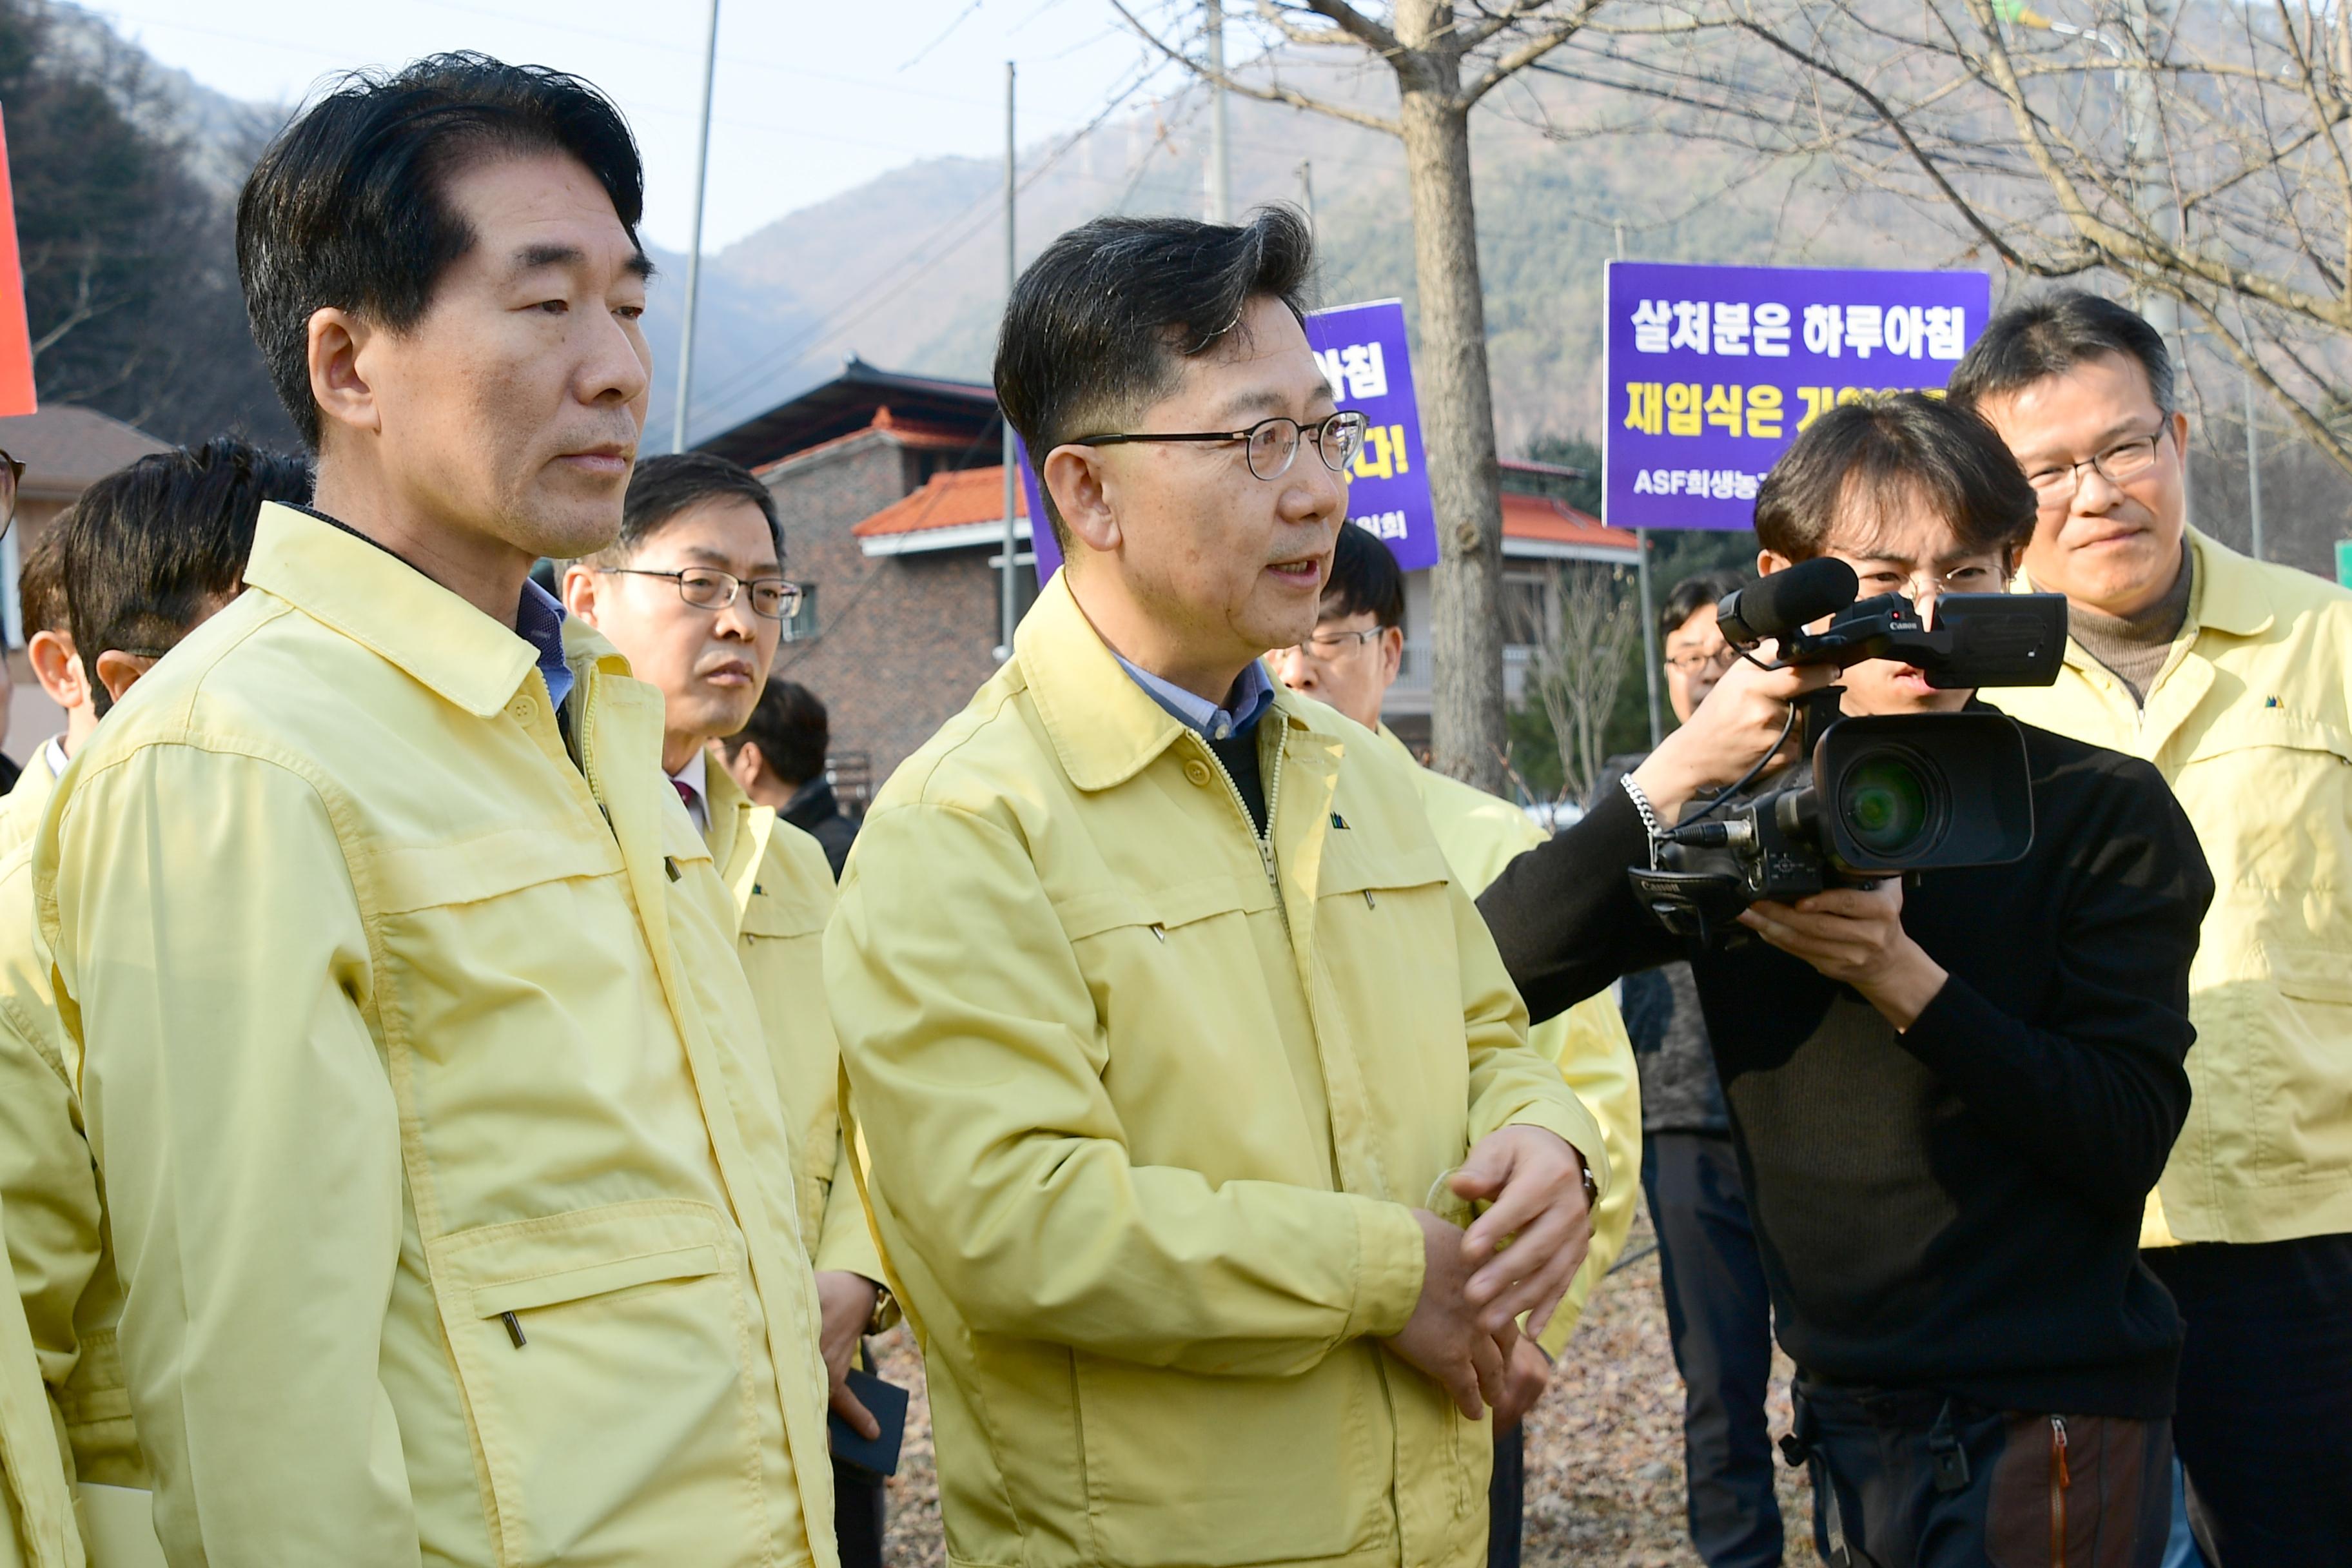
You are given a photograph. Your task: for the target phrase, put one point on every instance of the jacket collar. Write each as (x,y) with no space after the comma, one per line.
(377,600)
(2228,594)
(734,826)
(1105,728)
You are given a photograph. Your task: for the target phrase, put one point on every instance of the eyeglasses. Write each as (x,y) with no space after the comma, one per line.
(1969,577)
(1328,647)
(2118,465)
(12,477)
(1270,446)
(1719,656)
(705,588)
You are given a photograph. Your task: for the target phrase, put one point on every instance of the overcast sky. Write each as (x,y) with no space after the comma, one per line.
(814,97)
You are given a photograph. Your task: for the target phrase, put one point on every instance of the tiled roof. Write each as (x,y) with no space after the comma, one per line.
(913,432)
(64,448)
(1539,519)
(967,496)
(950,500)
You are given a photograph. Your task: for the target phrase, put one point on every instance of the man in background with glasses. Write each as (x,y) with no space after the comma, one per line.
(694,596)
(2232,677)
(1350,661)
(1181,1054)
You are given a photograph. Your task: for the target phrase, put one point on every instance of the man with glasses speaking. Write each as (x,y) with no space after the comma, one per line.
(1181,1057)
(2232,677)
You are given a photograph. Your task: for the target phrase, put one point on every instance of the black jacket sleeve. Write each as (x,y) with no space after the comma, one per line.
(2091,1092)
(1564,916)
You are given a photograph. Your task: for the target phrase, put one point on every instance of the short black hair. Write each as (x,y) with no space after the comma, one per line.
(792,731)
(151,547)
(2052,333)
(1694,593)
(347,207)
(41,583)
(1888,450)
(1098,326)
(1365,579)
(665,486)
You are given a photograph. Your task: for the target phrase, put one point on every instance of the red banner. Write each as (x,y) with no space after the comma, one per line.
(15,339)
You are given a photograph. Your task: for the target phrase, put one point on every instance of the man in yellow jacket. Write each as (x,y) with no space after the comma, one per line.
(451,1195)
(693,594)
(1350,660)
(2232,677)
(147,554)
(1167,1025)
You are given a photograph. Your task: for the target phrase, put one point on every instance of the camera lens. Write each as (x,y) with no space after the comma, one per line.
(1883,801)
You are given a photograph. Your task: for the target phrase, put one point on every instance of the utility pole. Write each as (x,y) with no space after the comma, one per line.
(1012,477)
(693,251)
(1645,597)
(1221,169)
(1306,194)
(2253,470)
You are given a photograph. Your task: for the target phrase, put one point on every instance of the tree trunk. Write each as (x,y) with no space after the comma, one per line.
(1457,403)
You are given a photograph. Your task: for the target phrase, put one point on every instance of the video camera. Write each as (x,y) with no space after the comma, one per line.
(1886,796)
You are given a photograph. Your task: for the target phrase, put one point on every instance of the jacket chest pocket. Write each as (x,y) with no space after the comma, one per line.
(1389,992)
(1195,996)
(2270,793)
(607,1362)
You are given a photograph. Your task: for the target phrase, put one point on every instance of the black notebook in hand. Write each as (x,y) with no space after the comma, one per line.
(887,1401)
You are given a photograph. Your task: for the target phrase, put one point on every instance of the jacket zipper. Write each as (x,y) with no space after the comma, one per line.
(1265,841)
(2060,1479)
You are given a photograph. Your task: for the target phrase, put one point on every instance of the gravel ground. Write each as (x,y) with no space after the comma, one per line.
(1604,1449)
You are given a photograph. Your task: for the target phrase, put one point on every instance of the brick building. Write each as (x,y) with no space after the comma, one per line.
(894,644)
(892,499)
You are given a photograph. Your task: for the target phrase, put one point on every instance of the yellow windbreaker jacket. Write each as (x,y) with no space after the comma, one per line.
(452,1201)
(2251,722)
(1149,1102)
(783,887)
(53,1214)
(36,1516)
(1479,836)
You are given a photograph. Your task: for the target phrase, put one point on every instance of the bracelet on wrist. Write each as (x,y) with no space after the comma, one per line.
(1649,815)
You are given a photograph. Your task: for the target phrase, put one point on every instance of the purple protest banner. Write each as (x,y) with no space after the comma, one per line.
(1364,356)
(1712,371)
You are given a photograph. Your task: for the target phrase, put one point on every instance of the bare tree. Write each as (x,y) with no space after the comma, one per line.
(1445,57)
(2198,156)
(1577,630)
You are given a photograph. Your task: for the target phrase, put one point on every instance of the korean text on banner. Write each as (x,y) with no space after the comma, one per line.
(15,340)
(1364,356)
(1712,372)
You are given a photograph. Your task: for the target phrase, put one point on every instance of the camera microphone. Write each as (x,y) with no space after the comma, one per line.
(1776,606)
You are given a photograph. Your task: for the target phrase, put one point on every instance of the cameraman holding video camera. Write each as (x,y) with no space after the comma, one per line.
(1948,1098)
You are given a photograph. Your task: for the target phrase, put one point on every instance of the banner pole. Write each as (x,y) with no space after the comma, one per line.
(1649,635)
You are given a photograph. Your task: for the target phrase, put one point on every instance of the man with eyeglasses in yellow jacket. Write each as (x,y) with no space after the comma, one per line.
(2231,676)
(452,1197)
(1169,1028)
(693,594)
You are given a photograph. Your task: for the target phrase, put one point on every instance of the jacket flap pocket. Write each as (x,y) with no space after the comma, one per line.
(566,1256)
(408,878)
(1181,903)
(2311,973)
(596,1279)
(785,910)
(2246,726)
(1350,868)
